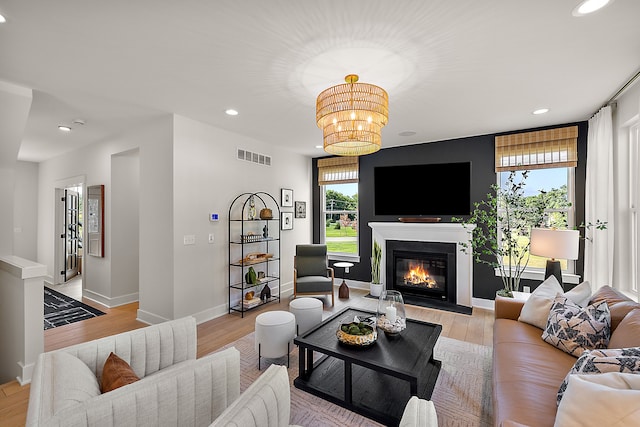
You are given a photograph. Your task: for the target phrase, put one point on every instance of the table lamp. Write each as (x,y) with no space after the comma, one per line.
(553,243)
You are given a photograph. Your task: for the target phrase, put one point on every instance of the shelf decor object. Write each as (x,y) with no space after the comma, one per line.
(391,314)
(351,116)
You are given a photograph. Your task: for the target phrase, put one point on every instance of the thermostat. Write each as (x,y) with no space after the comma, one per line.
(214,217)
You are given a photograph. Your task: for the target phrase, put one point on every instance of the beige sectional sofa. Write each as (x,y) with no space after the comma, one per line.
(527,372)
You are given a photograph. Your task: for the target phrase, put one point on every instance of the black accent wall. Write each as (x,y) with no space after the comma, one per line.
(479,150)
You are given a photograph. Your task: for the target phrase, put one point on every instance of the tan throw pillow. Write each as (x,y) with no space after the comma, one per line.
(627,334)
(611,399)
(574,329)
(116,373)
(536,310)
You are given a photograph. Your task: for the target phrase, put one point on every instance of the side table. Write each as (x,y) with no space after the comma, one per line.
(343,291)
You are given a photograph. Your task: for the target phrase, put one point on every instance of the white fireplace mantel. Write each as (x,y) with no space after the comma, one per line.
(432,232)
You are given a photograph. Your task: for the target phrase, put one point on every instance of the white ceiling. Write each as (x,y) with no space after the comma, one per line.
(453,68)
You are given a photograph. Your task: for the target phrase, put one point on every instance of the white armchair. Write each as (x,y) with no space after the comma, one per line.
(175,388)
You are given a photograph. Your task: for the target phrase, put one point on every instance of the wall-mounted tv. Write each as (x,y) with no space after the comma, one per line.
(423,190)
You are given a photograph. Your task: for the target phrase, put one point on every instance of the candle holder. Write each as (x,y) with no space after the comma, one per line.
(391,315)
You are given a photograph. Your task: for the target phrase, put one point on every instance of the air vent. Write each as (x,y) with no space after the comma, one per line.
(250,156)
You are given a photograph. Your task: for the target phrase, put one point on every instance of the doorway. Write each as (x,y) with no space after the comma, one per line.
(69,214)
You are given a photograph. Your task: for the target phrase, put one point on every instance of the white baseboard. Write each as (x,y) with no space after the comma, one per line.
(27,373)
(487,304)
(110,302)
(149,318)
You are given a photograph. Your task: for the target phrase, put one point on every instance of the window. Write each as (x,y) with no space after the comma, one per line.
(634,139)
(341,218)
(550,157)
(553,188)
(338,180)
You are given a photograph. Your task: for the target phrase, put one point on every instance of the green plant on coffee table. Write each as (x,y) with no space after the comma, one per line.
(501,220)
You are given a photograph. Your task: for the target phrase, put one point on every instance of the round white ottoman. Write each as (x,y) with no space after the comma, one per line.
(308,312)
(274,334)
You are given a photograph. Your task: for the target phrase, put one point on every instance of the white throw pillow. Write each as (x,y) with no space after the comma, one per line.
(611,399)
(74,381)
(580,294)
(536,310)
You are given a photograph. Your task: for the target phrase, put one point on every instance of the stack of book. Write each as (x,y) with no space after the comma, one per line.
(249,303)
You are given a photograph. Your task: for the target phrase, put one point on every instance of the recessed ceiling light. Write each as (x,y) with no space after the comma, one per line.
(541,111)
(407,133)
(64,128)
(589,6)
(231,112)
(319,146)
(2,19)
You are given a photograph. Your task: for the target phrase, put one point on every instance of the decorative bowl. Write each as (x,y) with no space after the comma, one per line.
(266,213)
(357,334)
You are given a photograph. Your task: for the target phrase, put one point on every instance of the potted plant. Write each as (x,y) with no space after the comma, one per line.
(376,257)
(505,248)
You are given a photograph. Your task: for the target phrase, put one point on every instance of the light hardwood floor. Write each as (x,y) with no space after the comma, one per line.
(212,335)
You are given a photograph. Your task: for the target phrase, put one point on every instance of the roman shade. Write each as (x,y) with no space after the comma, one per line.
(552,148)
(337,170)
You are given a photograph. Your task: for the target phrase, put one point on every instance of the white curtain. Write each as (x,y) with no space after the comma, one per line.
(599,201)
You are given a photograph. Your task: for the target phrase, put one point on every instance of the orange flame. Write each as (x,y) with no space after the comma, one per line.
(419,276)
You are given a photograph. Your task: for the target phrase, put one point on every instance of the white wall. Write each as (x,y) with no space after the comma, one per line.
(125,231)
(92,164)
(25,211)
(187,170)
(207,177)
(15,103)
(626,114)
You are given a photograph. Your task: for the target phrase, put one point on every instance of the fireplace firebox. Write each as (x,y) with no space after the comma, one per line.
(422,271)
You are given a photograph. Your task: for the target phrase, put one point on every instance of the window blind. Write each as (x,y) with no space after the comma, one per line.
(552,148)
(337,170)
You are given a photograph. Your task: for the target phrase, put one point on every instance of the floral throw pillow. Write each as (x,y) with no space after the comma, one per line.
(626,360)
(574,329)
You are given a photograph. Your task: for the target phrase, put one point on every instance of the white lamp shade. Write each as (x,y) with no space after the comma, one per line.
(552,243)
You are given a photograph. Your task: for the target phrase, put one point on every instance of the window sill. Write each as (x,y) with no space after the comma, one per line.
(530,274)
(344,257)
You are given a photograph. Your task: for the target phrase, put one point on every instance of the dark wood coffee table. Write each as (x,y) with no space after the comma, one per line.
(375,381)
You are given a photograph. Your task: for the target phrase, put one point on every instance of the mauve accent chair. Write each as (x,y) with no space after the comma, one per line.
(311,272)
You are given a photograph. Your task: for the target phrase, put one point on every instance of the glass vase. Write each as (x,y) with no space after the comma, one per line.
(391,314)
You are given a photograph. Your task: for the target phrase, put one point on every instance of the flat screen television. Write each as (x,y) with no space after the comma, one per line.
(423,190)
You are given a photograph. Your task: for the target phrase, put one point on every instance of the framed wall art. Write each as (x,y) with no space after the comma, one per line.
(301,209)
(286,222)
(286,197)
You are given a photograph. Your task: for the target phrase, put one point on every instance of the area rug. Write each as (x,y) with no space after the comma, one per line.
(62,310)
(462,395)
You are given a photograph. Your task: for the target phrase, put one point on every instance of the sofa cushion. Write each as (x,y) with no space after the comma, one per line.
(536,310)
(601,361)
(527,373)
(574,329)
(627,334)
(619,304)
(74,381)
(584,405)
(116,373)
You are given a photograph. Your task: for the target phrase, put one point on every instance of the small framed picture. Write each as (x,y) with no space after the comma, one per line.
(286,197)
(287,221)
(301,209)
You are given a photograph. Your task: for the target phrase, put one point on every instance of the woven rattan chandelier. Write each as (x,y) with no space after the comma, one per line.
(352,116)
